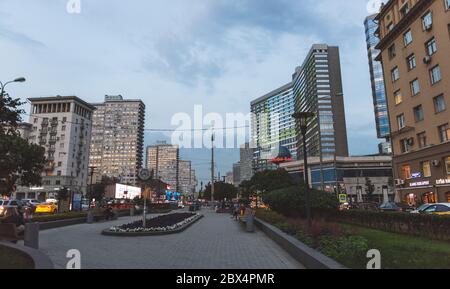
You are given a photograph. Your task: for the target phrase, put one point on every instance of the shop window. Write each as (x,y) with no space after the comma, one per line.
(448,197)
(429,198)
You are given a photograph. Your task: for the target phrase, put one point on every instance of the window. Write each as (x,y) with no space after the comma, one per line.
(406,172)
(390,26)
(391,51)
(398,97)
(404,10)
(395,73)
(426,169)
(422,139)
(35,120)
(401,121)
(444,133)
(435,74)
(427,21)
(407,38)
(447,165)
(59,164)
(431,46)
(418,113)
(411,61)
(61,145)
(439,103)
(447,4)
(63,128)
(59,173)
(415,87)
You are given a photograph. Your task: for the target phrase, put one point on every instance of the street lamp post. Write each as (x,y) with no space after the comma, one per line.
(2,86)
(303,118)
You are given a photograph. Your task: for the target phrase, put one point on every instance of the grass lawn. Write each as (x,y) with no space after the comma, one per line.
(402,251)
(12,259)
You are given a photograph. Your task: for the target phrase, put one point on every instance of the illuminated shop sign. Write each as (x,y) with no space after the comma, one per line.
(443,182)
(420,184)
(416,175)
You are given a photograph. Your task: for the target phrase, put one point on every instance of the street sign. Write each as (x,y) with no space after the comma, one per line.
(343,198)
(144,175)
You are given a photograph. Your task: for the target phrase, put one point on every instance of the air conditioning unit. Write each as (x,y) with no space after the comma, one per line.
(427,59)
(435,163)
(399,182)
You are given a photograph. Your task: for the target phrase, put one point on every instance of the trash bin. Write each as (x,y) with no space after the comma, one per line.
(31,237)
(250,223)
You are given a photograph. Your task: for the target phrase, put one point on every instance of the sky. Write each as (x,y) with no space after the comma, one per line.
(174,54)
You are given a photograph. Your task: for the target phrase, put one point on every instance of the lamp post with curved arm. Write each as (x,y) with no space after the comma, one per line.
(2,86)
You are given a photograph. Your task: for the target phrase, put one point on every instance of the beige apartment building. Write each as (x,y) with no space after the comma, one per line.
(117,147)
(415,49)
(163,161)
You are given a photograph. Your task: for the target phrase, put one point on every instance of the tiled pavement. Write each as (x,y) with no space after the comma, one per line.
(214,242)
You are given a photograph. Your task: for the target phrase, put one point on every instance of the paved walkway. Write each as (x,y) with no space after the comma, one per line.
(214,242)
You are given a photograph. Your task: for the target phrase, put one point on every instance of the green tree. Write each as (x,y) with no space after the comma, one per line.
(222,191)
(21,163)
(370,189)
(266,181)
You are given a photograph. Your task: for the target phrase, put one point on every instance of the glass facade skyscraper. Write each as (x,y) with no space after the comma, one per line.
(317,87)
(273,127)
(377,80)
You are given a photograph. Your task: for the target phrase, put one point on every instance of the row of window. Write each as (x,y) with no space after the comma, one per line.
(407,143)
(425,169)
(439,106)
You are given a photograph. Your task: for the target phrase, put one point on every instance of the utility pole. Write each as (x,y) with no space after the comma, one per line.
(212,166)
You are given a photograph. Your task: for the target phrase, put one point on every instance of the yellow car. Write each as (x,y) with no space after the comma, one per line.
(436,209)
(46,208)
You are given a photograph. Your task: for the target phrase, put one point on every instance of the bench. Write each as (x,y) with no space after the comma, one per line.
(8,232)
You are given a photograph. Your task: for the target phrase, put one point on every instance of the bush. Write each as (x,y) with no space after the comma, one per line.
(291,201)
(429,226)
(59,217)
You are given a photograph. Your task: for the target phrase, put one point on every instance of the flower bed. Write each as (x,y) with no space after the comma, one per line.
(166,224)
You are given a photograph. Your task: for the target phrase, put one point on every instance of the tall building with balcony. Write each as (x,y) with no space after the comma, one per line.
(317,88)
(415,44)
(164,160)
(117,148)
(187,179)
(272,127)
(62,125)
(377,81)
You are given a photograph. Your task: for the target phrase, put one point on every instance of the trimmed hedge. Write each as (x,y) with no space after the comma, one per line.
(59,217)
(428,226)
(291,201)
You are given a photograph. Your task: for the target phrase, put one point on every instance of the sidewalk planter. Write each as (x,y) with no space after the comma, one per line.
(37,258)
(179,227)
(307,256)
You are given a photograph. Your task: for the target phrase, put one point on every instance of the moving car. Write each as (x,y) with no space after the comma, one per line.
(436,209)
(46,208)
(395,207)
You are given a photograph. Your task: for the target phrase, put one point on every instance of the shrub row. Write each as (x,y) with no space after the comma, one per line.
(429,226)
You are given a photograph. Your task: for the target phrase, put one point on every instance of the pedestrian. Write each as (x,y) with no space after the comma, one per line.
(236,211)
(12,216)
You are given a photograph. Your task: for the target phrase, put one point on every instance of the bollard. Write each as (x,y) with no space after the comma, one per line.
(132,211)
(90,217)
(31,237)
(250,222)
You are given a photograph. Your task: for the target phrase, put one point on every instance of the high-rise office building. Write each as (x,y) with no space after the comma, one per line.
(237,174)
(187,182)
(246,160)
(272,127)
(117,147)
(62,125)
(377,81)
(415,45)
(163,160)
(317,88)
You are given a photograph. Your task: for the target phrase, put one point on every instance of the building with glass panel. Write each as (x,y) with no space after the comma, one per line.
(377,81)
(317,87)
(273,127)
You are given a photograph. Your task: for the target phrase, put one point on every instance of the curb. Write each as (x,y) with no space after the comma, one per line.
(307,256)
(40,260)
(107,232)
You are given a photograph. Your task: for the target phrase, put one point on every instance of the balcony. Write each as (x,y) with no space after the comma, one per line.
(53,132)
(54,123)
(44,131)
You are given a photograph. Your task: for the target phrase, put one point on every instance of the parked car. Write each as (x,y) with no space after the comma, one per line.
(435,209)
(47,208)
(420,209)
(31,203)
(395,207)
(364,206)
(4,204)
(196,206)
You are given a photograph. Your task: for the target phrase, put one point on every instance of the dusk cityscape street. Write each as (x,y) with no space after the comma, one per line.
(205,136)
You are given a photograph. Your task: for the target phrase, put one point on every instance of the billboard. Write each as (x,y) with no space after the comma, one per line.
(127,192)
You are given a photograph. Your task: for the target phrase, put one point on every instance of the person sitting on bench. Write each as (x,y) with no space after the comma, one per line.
(12,216)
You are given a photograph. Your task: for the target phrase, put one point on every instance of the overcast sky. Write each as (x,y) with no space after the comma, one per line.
(177,53)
